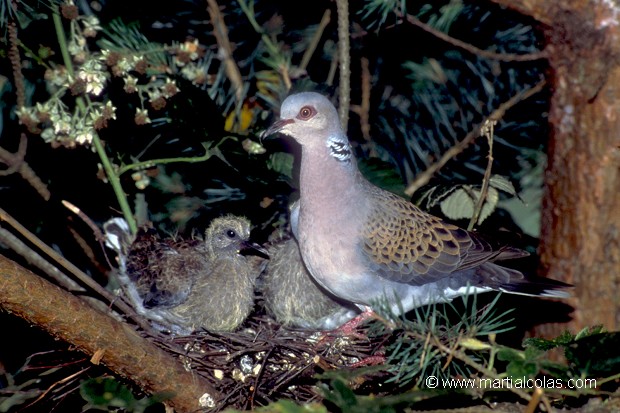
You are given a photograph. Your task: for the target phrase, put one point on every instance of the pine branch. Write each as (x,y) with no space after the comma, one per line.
(424,177)
(503,57)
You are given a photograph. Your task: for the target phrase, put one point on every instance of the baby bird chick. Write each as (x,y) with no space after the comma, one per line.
(186,285)
(294,298)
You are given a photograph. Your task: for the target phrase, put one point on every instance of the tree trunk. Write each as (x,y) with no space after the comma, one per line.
(580,238)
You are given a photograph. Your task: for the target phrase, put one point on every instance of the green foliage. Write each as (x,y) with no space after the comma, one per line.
(591,352)
(340,395)
(563,340)
(419,350)
(528,363)
(282,162)
(105,393)
(444,17)
(458,201)
(376,12)
(123,38)
(443,343)
(381,174)
(288,406)
(595,355)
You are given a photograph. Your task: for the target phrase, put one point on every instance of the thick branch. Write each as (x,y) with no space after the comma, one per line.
(67,317)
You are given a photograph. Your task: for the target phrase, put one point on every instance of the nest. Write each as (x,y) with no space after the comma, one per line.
(264,362)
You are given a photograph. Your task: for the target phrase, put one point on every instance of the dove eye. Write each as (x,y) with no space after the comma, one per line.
(306,113)
(231,234)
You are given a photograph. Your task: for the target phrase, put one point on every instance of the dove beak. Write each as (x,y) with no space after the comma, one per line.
(251,248)
(277,126)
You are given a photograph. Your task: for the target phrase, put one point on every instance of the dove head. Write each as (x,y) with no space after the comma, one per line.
(229,235)
(307,116)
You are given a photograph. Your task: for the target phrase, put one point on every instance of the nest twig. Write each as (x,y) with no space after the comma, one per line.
(263,362)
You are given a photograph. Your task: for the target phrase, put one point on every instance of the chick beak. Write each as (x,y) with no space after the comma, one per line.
(251,248)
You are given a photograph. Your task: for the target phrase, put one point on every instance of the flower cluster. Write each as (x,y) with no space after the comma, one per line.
(59,126)
(189,57)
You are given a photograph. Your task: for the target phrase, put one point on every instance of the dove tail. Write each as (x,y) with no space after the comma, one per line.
(538,286)
(117,235)
(514,282)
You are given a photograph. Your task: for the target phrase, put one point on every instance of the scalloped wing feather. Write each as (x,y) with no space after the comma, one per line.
(405,244)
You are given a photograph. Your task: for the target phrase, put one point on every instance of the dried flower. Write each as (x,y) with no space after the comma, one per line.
(77,87)
(69,11)
(169,89)
(85,136)
(158,103)
(109,111)
(28,118)
(95,77)
(141,179)
(111,58)
(76,46)
(141,117)
(140,65)
(131,84)
(57,76)
(100,117)
(195,74)
(91,26)
(187,52)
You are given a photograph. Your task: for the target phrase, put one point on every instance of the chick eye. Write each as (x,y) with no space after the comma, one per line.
(231,234)
(306,113)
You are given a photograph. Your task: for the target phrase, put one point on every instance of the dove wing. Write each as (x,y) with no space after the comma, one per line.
(405,244)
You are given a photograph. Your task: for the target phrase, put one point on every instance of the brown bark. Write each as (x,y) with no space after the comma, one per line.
(580,239)
(125,352)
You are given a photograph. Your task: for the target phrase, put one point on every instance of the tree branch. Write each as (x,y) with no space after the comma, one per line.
(15,163)
(67,317)
(315,40)
(344,60)
(220,31)
(503,57)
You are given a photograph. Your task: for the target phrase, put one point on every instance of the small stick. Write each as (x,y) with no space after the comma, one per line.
(315,40)
(344,58)
(487,129)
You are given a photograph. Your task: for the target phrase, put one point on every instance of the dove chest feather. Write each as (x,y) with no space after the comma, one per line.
(331,216)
